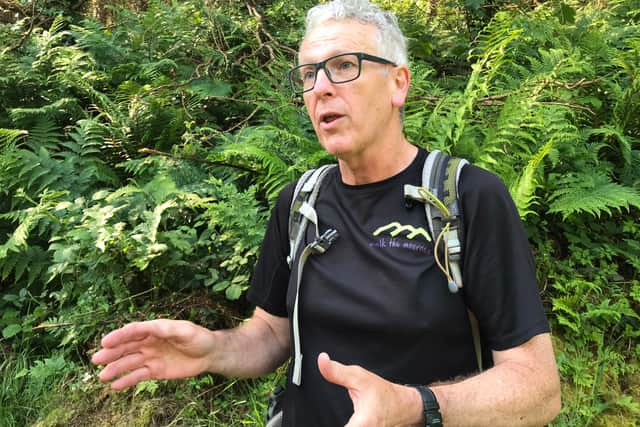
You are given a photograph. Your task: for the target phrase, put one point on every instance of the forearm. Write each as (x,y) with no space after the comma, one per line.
(255,348)
(522,389)
(501,396)
(515,392)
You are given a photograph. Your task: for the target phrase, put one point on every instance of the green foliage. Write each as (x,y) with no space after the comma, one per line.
(593,193)
(26,384)
(139,158)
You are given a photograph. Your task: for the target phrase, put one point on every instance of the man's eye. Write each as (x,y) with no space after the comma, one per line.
(346,65)
(307,75)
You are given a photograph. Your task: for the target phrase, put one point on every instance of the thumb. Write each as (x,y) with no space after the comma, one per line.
(334,372)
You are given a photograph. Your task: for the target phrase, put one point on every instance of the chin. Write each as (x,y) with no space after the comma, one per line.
(337,147)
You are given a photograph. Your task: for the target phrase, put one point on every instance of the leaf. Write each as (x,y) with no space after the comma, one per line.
(220,286)
(210,88)
(150,386)
(566,14)
(233,292)
(160,188)
(11,330)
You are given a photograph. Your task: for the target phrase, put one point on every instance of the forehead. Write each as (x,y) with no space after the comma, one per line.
(334,37)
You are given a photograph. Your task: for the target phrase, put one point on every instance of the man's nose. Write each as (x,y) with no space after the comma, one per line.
(323,84)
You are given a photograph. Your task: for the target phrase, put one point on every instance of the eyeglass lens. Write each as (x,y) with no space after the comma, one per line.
(339,69)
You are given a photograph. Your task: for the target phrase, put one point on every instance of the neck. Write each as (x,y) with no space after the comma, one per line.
(378,163)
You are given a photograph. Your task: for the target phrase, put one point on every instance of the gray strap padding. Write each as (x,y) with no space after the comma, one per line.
(306,191)
(301,213)
(296,377)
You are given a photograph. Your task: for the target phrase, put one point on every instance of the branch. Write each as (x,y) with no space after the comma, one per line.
(570,105)
(26,35)
(243,122)
(14,8)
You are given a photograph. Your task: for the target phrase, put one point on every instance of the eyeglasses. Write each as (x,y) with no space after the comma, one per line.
(341,68)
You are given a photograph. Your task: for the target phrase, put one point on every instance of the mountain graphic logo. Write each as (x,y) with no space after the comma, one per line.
(397,228)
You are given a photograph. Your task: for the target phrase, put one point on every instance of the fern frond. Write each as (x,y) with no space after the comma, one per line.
(28,219)
(592,193)
(59,108)
(87,138)
(154,70)
(491,55)
(58,24)
(614,134)
(12,136)
(44,134)
(524,188)
(274,172)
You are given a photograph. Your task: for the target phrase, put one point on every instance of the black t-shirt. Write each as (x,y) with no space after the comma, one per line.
(377,299)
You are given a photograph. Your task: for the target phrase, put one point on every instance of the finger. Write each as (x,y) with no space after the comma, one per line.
(136,331)
(335,372)
(132,378)
(128,363)
(108,355)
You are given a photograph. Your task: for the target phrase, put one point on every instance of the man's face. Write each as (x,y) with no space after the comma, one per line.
(349,117)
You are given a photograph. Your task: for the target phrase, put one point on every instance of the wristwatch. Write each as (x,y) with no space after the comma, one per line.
(430,407)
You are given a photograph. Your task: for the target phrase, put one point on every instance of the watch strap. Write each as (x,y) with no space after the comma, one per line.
(430,406)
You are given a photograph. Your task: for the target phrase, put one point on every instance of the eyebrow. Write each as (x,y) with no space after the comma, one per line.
(334,53)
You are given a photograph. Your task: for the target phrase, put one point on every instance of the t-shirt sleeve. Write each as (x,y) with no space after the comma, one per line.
(268,289)
(498,269)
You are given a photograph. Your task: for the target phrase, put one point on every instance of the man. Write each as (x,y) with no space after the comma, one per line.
(378,306)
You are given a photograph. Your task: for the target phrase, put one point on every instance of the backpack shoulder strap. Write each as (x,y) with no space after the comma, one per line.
(440,176)
(301,212)
(302,208)
(439,193)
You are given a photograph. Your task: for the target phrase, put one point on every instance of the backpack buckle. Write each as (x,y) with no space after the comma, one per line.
(322,243)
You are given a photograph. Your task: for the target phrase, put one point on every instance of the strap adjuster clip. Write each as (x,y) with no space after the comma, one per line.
(322,243)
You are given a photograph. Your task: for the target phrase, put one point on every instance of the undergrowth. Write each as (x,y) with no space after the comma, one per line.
(140,156)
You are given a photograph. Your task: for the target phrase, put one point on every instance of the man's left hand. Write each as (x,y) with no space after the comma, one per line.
(376,401)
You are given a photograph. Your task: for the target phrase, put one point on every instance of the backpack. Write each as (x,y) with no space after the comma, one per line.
(439,193)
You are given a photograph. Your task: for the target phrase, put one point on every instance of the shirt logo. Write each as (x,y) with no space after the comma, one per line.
(397,228)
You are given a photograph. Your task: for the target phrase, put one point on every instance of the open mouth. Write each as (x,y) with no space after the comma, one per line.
(330,118)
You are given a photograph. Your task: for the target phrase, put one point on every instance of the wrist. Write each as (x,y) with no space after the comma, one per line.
(413,407)
(214,359)
(431,416)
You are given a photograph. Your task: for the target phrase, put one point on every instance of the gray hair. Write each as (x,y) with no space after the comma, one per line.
(391,41)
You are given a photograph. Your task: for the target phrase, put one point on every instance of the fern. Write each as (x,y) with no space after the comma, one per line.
(592,193)
(274,172)
(154,70)
(524,188)
(44,134)
(56,110)
(490,56)
(28,219)
(12,136)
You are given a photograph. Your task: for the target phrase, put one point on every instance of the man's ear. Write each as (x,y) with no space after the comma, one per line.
(401,79)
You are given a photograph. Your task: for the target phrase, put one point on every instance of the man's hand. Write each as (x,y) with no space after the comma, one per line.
(376,401)
(157,349)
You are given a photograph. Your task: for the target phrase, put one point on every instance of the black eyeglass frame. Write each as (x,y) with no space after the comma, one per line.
(322,65)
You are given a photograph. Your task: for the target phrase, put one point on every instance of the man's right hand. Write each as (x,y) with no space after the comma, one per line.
(156,349)
(172,349)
